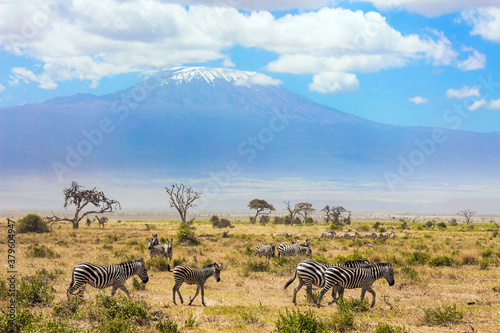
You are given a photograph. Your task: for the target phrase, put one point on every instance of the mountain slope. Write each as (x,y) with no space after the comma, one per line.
(197,121)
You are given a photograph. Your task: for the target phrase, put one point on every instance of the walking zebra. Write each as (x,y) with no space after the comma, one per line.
(265,250)
(328,234)
(167,247)
(197,276)
(156,250)
(340,278)
(285,249)
(104,276)
(313,273)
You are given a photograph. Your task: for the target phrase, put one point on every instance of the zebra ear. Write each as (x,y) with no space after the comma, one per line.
(221,267)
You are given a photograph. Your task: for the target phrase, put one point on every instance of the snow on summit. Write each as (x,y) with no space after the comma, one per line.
(211,75)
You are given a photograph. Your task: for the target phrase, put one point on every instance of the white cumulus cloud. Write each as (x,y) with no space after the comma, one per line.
(463,92)
(334,82)
(475,61)
(2,87)
(494,104)
(258,79)
(418,100)
(485,22)
(477,104)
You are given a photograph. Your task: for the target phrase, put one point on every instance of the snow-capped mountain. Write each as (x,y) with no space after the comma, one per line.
(195,121)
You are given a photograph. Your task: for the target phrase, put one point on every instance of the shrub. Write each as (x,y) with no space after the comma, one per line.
(35,289)
(191,321)
(418,257)
(297,322)
(309,220)
(257,266)
(41,252)
(264,219)
(65,308)
(486,253)
(214,220)
(185,234)
(122,308)
(157,263)
(441,225)
(225,223)
(353,304)
(386,328)
(32,223)
(411,273)
(22,323)
(484,263)
(167,326)
(442,261)
(278,220)
(138,285)
(442,316)
(453,222)
(343,319)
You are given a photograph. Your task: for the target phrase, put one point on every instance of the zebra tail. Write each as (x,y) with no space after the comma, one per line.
(168,268)
(291,280)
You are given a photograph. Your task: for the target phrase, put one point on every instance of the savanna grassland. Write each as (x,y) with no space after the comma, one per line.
(447,279)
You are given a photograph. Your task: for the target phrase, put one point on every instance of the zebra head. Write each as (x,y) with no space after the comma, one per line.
(273,247)
(141,270)
(306,242)
(151,243)
(217,270)
(388,273)
(155,239)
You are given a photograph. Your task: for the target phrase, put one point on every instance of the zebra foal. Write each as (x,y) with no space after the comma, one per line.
(311,273)
(104,276)
(197,276)
(340,278)
(265,250)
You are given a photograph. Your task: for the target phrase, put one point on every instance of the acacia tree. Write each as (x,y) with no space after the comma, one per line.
(292,212)
(467,214)
(328,213)
(305,209)
(182,198)
(260,206)
(78,196)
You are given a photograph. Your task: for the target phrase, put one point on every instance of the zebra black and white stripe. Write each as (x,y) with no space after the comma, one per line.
(267,251)
(285,249)
(104,276)
(312,273)
(340,278)
(156,250)
(197,276)
(167,247)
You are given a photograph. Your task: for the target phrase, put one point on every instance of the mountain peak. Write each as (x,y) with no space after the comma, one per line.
(210,75)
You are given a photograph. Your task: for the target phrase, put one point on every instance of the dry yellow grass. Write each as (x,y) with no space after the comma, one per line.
(248,301)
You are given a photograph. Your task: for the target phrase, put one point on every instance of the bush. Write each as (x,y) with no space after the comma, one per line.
(32,223)
(484,263)
(23,323)
(264,219)
(214,220)
(386,328)
(418,257)
(443,316)
(411,273)
(159,264)
(353,304)
(296,322)
(441,225)
(35,289)
(343,319)
(278,220)
(167,326)
(185,234)
(453,222)
(442,261)
(41,252)
(257,266)
(138,285)
(122,308)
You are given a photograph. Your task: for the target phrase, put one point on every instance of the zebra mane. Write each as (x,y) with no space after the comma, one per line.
(129,262)
(208,266)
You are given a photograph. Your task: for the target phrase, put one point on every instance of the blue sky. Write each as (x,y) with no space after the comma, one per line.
(405,62)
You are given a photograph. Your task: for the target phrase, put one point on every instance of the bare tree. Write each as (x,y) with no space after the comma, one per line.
(182,198)
(305,209)
(336,212)
(467,214)
(76,195)
(328,213)
(260,206)
(292,212)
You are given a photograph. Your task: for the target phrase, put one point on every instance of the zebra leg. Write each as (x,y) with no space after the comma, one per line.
(203,295)
(296,290)
(122,287)
(114,290)
(196,294)
(372,292)
(176,289)
(336,289)
(309,291)
(325,289)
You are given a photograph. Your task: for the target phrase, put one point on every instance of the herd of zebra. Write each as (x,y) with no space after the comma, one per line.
(349,275)
(388,234)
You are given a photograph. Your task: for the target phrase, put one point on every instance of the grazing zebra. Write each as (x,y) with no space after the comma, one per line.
(341,278)
(167,247)
(350,235)
(306,243)
(104,276)
(197,276)
(373,235)
(285,249)
(265,250)
(313,273)
(328,234)
(156,250)
(388,235)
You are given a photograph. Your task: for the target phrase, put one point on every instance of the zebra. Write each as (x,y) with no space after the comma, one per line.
(167,247)
(265,250)
(373,235)
(285,249)
(156,250)
(341,278)
(313,273)
(328,234)
(104,276)
(197,276)
(350,235)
